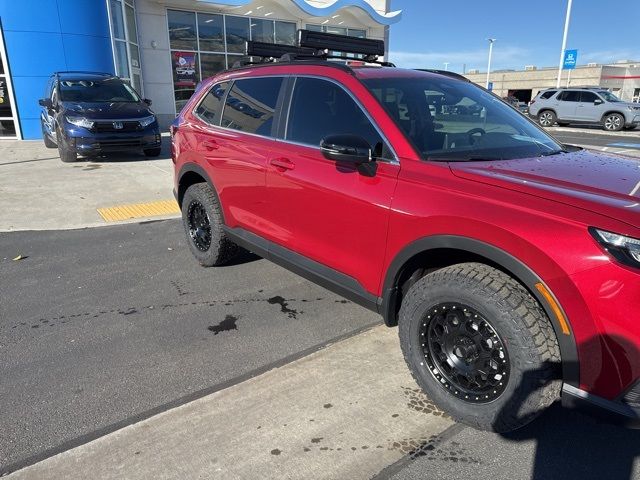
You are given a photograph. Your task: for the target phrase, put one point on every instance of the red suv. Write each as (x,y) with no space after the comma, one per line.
(510,262)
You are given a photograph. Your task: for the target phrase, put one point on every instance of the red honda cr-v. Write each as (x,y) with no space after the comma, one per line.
(510,262)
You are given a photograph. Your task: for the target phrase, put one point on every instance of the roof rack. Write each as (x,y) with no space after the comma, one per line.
(445,72)
(316,46)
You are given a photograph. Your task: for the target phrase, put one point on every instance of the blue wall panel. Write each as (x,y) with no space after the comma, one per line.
(43,36)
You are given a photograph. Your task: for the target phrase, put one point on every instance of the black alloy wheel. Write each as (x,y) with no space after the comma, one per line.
(199,226)
(464,353)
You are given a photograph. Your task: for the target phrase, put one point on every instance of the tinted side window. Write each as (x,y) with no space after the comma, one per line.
(569,96)
(320,108)
(548,94)
(589,97)
(211,105)
(251,105)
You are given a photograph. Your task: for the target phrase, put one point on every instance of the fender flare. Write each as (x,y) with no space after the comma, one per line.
(507,262)
(191,168)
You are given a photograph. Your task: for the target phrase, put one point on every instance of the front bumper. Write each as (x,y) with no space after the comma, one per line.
(87,142)
(617,412)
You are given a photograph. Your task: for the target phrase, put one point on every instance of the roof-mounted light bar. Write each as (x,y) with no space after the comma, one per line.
(341,43)
(274,50)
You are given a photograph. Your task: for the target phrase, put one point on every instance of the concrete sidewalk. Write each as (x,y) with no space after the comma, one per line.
(39,192)
(345,412)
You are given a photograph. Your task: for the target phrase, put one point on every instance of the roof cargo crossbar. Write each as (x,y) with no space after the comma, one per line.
(446,73)
(341,43)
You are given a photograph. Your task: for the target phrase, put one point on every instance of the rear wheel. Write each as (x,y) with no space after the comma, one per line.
(480,346)
(203,225)
(546,118)
(613,122)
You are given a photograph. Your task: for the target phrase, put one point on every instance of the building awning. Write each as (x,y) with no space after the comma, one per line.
(308,10)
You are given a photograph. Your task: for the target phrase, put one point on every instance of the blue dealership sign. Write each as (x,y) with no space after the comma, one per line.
(570,59)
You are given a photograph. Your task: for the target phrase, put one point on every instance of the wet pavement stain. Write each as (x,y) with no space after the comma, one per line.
(316,440)
(226,325)
(284,306)
(327,405)
(419,402)
(276,451)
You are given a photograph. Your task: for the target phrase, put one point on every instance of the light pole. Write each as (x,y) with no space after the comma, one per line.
(446,66)
(564,42)
(491,40)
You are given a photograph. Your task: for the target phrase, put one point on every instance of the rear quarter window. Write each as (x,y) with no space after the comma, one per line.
(549,94)
(251,105)
(211,105)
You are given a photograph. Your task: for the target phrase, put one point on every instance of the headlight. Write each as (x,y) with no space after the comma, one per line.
(146,121)
(624,249)
(80,122)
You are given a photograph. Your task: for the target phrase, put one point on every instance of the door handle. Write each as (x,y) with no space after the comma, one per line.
(210,145)
(282,163)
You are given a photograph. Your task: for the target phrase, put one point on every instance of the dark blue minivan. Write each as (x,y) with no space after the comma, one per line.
(88,113)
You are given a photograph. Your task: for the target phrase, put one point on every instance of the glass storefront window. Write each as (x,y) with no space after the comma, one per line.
(211,32)
(135,56)
(212,63)
(237,33)
(182,30)
(132,32)
(336,30)
(262,30)
(116,19)
(185,76)
(122,61)
(354,32)
(286,33)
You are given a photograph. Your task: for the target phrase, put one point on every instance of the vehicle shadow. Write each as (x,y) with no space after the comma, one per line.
(244,256)
(570,444)
(132,156)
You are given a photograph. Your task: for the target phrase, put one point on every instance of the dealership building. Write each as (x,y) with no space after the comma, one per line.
(621,78)
(162,47)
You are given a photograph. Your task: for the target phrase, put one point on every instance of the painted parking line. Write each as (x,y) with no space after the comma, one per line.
(625,145)
(139,210)
(347,411)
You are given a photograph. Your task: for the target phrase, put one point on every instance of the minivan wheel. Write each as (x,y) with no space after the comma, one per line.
(613,122)
(67,155)
(546,118)
(47,141)
(480,346)
(203,225)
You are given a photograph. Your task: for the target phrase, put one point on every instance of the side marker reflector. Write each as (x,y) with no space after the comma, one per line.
(564,325)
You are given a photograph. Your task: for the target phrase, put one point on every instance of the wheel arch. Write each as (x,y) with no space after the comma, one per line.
(609,112)
(190,174)
(434,252)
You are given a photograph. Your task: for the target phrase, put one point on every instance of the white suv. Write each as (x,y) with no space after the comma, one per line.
(584,105)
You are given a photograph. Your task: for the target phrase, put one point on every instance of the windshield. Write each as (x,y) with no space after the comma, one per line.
(457,121)
(608,96)
(90,91)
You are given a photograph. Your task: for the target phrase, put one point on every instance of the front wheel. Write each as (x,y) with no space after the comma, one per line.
(546,118)
(613,122)
(67,155)
(203,225)
(480,346)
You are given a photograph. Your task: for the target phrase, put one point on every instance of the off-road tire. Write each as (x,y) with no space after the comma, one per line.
(613,122)
(152,152)
(547,118)
(220,250)
(533,383)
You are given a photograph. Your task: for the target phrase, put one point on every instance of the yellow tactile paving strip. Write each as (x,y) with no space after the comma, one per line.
(139,210)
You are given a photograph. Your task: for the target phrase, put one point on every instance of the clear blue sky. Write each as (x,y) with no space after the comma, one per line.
(528,32)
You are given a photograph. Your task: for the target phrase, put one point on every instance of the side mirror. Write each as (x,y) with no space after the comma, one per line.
(346,149)
(598,101)
(46,103)
(147,101)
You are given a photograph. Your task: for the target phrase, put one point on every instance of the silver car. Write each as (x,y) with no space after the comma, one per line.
(584,105)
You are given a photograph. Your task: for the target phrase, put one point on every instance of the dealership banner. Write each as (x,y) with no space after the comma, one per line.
(184,69)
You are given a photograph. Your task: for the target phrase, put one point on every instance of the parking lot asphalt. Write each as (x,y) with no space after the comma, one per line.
(102,327)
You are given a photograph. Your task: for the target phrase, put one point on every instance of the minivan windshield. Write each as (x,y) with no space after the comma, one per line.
(96,91)
(452,120)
